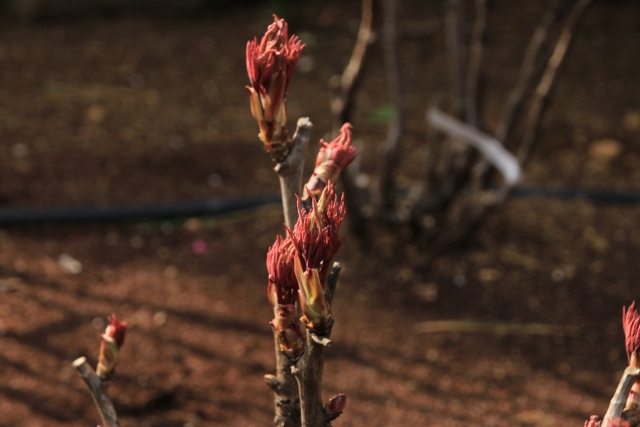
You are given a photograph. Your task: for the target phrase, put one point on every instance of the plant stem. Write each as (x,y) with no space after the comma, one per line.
(308,369)
(290,171)
(283,384)
(98,389)
(619,399)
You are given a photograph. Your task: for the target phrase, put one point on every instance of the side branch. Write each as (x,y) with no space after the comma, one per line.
(516,96)
(396,127)
(475,58)
(290,171)
(98,389)
(514,101)
(342,102)
(455,51)
(543,88)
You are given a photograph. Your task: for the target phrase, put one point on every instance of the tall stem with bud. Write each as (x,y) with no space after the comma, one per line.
(98,384)
(298,265)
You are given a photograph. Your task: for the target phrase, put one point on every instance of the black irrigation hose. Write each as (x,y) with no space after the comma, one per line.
(226,205)
(136,212)
(595,196)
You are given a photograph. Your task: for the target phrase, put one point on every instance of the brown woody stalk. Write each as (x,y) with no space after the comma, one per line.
(98,389)
(475,57)
(290,171)
(396,127)
(454,35)
(343,96)
(283,384)
(543,88)
(342,107)
(308,369)
(516,97)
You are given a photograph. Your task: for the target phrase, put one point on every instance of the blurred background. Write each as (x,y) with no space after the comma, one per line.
(110,103)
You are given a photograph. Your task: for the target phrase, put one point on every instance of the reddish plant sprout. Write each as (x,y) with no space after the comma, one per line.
(336,404)
(287,329)
(593,421)
(270,65)
(283,286)
(316,234)
(316,240)
(112,341)
(332,159)
(631,327)
(282,292)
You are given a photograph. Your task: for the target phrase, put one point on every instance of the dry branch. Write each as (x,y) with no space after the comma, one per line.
(543,88)
(396,127)
(342,102)
(342,107)
(516,97)
(98,389)
(475,58)
(456,52)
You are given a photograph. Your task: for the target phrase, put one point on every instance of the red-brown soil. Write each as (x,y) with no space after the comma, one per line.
(133,108)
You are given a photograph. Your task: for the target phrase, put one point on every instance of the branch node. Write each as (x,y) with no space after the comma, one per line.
(323,340)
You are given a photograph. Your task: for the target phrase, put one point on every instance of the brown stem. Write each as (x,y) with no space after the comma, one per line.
(396,127)
(98,389)
(344,91)
(455,51)
(516,97)
(543,88)
(308,369)
(285,389)
(283,384)
(619,399)
(342,107)
(308,372)
(475,57)
(290,171)
(526,71)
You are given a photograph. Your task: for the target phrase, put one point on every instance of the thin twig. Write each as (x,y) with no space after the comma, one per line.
(543,88)
(456,53)
(527,68)
(290,171)
(475,58)
(308,369)
(619,399)
(342,104)
(98,389)
(396,127)
(516,97)
(343,97)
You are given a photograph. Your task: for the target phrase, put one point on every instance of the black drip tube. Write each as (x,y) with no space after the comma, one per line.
(226,205)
